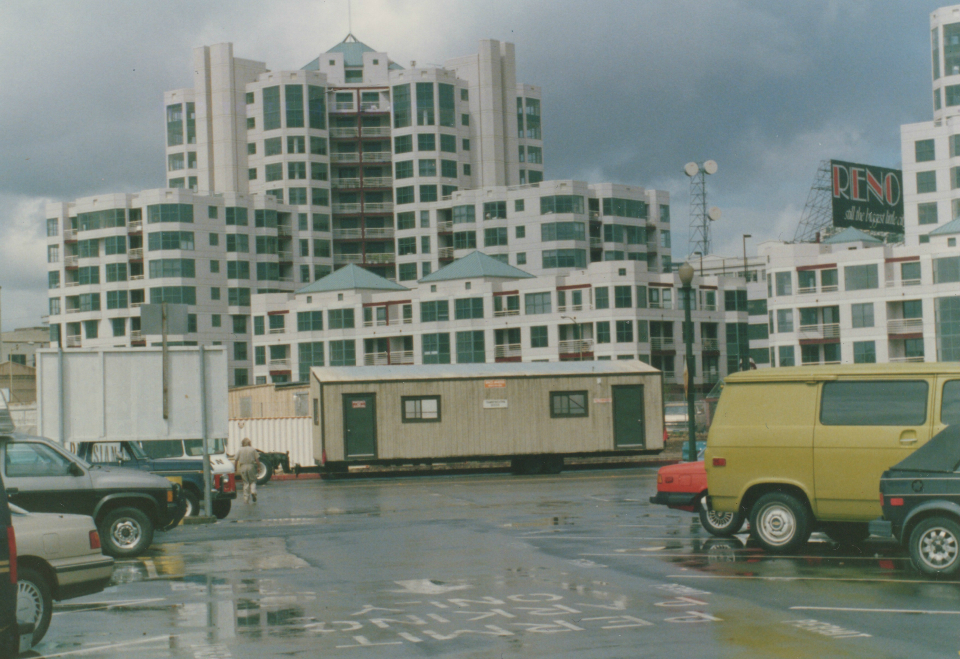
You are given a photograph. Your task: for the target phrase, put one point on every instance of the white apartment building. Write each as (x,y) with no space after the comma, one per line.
(277,178)
(853,299)
(480,309)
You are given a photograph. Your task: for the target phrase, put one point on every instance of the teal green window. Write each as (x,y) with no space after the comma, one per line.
(316,107)
(170,213)
(428,193)
(308,356)
(401,106)
(448,168)
(564,258)
(427,167)
(436,348)
(318,146)
(403,144)
(116,299)
(404,195)
(425,107)
(464,214)
(496,237)
(448,143)
(173,295)
(426,142)
(927,213)
(294,99)
(273,146)
(924,150)
(406,220)
(465,240)
(175,124)
(343,353)
(239,297)
(625,207)
(561,204)
(446,104)
(172,268)
(407,271)
(236,216)
(271,108)
(926,182)
(470,347)
(563,231)
(238,270)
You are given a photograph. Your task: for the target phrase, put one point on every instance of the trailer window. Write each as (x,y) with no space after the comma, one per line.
(564,404)
(420,409)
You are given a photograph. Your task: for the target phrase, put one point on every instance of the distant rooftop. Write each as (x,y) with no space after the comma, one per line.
(947,229)
(353,50)
(352,277)
(851,235)
(476,266)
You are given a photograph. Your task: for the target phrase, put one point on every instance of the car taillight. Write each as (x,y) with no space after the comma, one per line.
(216,481)
(659,479)
(719,462)
(169,496)
(896,501)
(12,549)
(94,540)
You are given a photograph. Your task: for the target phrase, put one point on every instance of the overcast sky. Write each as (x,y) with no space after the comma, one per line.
(632,90)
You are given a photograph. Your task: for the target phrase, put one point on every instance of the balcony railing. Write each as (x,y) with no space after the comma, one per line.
(277,330)
(905,326)
(507,312)
(74,309)
(381,258)
(830,288)
(661,343)
(661,304)
(71,284)
(136,335)
(806,290)
(136,254)
(350,156)
(345,132)
(346,208)
(73,341)
(507,350)
(596,242)
(134,305)
(375,107)
(444,227)
(285,255)
(343,106)
(135,226)
(445,253)
(569,307)
(280,362)
(575,347)
(136,277)
(911,282)
(347,258)
(338,183)
(388,358)
(906,359)
(284,230)
(378,206)
(71,261)
(69,234)
(348,234)
(377,181)
(376,131)
(710,344)
(669,376)
(708,307)
(825,331)
(378,232)
(376,156)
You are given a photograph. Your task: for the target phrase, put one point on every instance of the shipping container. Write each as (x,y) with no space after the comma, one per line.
(532,414)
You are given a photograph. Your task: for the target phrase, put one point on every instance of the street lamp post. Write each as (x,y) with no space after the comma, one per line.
(686,277)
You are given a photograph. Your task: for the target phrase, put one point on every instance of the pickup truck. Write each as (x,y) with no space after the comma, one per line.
(188,473)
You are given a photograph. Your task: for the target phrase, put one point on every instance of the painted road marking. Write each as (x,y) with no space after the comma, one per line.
(857,610)
(155,639)
(97,606)
(825,629)
(758,578)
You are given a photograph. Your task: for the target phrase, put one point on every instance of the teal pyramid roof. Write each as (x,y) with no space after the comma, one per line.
(947,229)
(851,235)
(353,51)
(352,277)
(476,265)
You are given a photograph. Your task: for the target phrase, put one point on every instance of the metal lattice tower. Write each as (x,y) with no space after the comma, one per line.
(817,216)
(699,222)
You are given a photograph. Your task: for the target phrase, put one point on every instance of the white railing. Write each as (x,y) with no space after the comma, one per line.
(71,261)
(381,258)
(376,156)
(825,331)
(445,253)
(135,305)
(710,344)
(444,226)
(343,106)
(73,341)
(277,330)
(71,284)
(833,288)
(661,304)
(69,234)
(348,234)
(285,255)
(347,258)
(661,343)
(569,307)
(507,350)
(351,156)
(136,253)
(575,346)
(507,312)
(594,215)
(378,232)
(596,242)
(385,358)
(345,183)
(375,107)
(136,225)
(345,132)
(905,326)
(376,131)
(806,290)
(378,206)
(346,208)
(669,376)
(284,230)
(136,335)
(910,282)
(136,277)
(377,181)
(280,362)
(74,310)
(708,307)
(906,359)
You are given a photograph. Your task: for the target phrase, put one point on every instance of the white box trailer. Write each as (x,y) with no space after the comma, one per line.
(86,395)
(533,414)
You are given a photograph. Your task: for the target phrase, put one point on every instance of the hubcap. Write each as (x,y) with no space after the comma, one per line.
(125,533)
(776,524)
(29,602)
(938,547)
(717,520)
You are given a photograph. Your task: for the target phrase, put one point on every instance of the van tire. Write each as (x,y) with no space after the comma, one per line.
(722,525)
(935,546)
(192,502)
(780,523)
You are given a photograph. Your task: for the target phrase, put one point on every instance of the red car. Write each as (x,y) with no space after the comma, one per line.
(683,486)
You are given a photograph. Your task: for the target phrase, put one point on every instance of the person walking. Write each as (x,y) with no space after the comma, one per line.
(247,463)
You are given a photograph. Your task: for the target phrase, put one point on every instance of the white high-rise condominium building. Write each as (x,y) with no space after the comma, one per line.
(277,178)
(854,299)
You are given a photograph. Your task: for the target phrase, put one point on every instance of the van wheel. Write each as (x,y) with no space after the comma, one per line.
(192,502)
(126,532)
(780,523)
(847,533)
(221,508)
(935,546)
(34,602)
(722,525)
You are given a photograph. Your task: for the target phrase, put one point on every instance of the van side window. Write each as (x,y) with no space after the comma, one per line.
(874,403)
(950,406)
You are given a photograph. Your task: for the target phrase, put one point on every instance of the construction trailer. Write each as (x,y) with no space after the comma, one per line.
(531,413)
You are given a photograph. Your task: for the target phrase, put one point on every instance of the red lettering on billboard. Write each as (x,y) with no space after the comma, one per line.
(874,187)
(840,188)
(892,186)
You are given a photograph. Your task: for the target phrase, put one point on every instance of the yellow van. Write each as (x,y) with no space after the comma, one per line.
(799,449)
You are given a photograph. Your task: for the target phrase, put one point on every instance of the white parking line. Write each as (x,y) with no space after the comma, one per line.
(155,639)
(96,606)
(856,610)
(759,578)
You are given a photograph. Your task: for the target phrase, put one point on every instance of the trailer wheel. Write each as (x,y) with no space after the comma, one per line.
(264,472)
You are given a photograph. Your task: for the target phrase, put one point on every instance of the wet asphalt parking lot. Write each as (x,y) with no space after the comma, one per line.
(494,565)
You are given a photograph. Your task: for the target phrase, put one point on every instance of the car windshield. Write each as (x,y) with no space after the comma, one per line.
(679,410)
(940,454)
(195,446)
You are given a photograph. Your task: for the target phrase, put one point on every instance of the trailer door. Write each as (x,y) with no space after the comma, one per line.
(628,426)
(360,425)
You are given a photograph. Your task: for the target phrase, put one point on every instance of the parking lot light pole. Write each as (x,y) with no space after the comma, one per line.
(686,277)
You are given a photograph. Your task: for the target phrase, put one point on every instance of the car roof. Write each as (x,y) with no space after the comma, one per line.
(940,454)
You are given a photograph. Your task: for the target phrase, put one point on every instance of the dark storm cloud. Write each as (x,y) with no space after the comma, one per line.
(632,91)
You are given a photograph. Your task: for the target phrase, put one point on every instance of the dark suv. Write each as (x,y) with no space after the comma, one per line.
(127,505)
(921,504)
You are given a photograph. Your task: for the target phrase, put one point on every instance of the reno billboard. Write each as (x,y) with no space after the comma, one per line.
(867,197)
